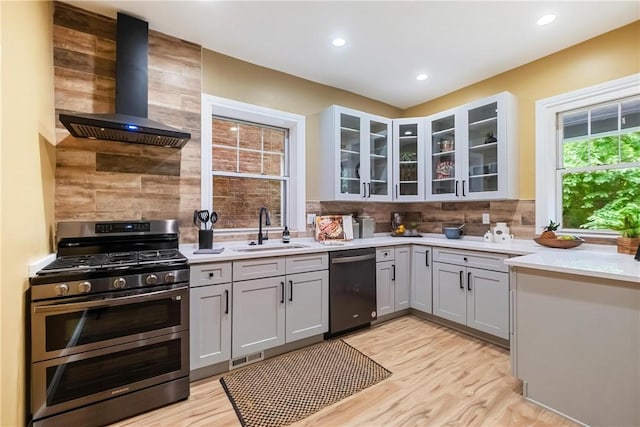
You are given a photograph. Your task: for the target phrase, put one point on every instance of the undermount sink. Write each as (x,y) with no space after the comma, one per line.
(266,248)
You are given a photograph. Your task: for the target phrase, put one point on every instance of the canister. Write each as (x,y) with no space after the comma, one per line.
(367,227)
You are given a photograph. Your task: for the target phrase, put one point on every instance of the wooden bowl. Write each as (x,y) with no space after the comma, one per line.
(558,243)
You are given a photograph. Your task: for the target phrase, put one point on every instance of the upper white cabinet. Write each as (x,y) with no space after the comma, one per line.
(472,151)
(408,160)
(357,156)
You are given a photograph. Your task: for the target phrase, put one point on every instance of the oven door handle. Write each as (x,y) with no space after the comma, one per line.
(110,302)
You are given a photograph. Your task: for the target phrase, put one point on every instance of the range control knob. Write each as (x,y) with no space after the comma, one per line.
(84,287)
(169,277)
(151,279)
(119,283)
(62,289)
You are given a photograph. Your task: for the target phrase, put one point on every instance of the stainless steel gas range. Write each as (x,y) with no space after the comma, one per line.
(109,323)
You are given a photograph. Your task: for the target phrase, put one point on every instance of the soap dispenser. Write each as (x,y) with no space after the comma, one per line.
(286,238)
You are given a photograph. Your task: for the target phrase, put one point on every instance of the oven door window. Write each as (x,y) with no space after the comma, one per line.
(99,324)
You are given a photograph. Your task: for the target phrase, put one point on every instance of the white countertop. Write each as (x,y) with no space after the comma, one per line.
(592,260)
(587,260)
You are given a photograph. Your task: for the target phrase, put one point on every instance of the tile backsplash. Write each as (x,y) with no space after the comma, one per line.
(431,217)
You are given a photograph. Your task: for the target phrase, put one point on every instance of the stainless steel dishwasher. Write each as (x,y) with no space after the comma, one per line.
(352,289)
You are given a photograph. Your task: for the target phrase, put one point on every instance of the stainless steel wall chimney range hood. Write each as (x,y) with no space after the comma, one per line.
(130,122)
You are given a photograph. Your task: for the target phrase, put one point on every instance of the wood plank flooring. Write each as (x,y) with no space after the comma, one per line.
(440,378)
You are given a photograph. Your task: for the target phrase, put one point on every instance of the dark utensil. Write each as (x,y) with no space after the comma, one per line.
(196,220)
(213,218)
(204,217)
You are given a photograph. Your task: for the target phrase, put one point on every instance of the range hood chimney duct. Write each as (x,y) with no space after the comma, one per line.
(130,122)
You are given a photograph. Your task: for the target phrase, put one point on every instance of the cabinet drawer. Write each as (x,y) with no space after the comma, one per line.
(384,254)
(304,263)
(484,260)
(258,268)
(210,274)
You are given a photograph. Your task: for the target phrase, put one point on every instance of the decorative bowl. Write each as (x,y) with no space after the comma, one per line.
(559,243)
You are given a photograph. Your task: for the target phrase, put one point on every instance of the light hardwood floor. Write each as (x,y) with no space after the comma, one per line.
(440,378)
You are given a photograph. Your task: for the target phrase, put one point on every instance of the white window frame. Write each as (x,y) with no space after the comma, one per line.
(548,187)
(294,123)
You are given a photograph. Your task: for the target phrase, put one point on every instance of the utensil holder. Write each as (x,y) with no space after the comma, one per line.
(205,239)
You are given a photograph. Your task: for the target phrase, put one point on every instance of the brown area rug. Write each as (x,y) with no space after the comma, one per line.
(288,388)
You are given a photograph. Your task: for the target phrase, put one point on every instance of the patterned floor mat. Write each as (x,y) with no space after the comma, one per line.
(288,388)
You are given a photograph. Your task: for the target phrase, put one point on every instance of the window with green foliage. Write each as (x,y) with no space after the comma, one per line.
(599,167)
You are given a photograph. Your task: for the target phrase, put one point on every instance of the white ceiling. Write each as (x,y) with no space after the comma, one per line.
(456,43)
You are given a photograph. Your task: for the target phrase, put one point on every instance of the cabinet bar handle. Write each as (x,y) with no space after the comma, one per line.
(397,190)
(456,188)
(463,182)
(364,190)
(426,259)
(369,188)
(461,285)
(469,281)
(290,290)
(394,272)
(282,289)
(226,297)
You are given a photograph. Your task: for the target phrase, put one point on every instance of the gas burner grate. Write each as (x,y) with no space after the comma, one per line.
(160,255)
(121,259)
(75,262)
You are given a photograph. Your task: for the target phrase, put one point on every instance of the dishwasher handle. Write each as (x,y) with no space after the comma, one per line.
(348,259)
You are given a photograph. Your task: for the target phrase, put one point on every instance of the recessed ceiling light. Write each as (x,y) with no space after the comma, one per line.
(408,132)
(339,42)
(546,19)
(233,129)
(421,77)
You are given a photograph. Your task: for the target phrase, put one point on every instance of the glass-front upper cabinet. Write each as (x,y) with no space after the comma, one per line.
(408,159)
(474,151)
(356,155)
(444,162)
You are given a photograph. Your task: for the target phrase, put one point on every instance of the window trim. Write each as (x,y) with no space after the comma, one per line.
(548,188)
(236,110)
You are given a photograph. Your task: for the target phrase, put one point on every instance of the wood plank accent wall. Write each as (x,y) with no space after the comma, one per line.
(107,180)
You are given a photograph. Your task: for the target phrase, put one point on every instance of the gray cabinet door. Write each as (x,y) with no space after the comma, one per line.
(421,279)
(307,312)
(258,315)
(210,328)
(402,277)
(449,292)
(385,293)
(488,301)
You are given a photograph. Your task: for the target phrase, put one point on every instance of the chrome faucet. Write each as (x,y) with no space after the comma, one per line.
(267,221)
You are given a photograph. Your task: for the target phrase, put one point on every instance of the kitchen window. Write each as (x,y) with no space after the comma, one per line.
(587,154)
(251,157)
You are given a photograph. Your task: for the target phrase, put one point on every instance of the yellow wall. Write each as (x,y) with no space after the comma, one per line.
(26,180)
(231,78)
(609,56)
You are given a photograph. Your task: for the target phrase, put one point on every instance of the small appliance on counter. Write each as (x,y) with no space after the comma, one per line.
(367,226)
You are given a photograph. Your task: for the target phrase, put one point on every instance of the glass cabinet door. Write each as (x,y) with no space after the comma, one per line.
(378,159)
(483,148)
(443,156)
(349,154)
(408,160)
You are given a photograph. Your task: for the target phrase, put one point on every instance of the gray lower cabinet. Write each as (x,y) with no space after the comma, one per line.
(393,279)
(258,315)
(421,260)
(472,296)
(210,313)
(307,305)
(210,325)
(272,311)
